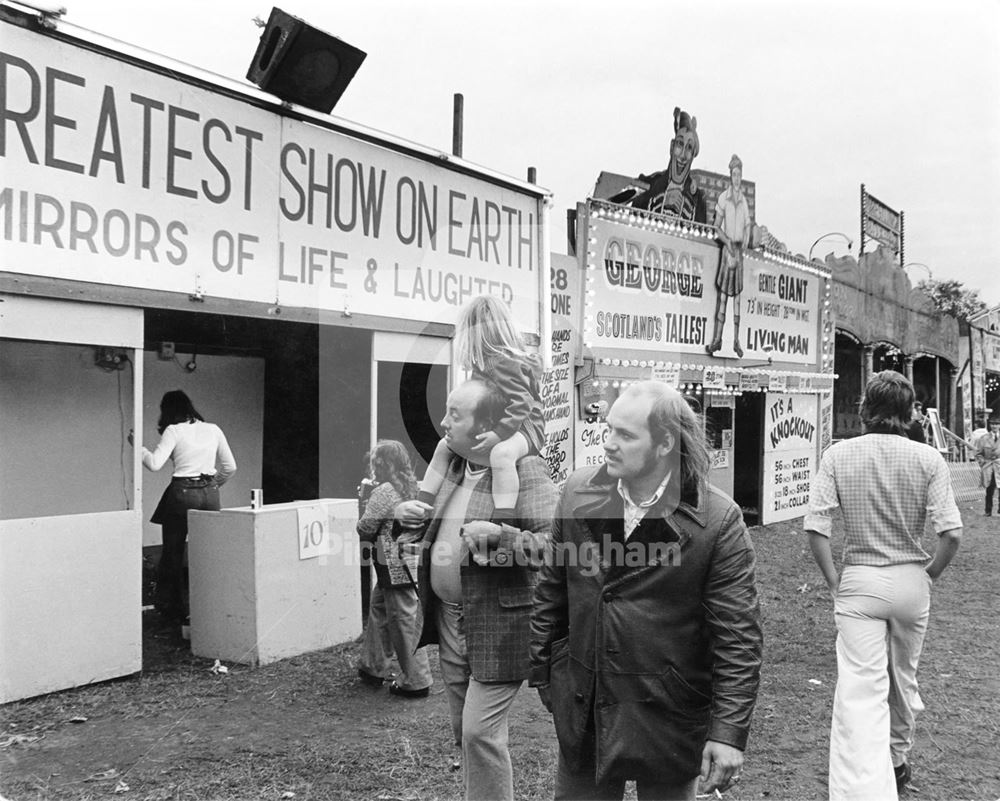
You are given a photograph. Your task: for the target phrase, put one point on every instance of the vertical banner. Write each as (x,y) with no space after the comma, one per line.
(825,421)
(557,400)
(790,454)
(557,385)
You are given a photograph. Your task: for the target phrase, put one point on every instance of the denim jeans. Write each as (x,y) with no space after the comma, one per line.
(181,495)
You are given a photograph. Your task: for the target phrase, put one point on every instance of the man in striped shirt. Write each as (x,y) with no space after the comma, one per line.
(888,488)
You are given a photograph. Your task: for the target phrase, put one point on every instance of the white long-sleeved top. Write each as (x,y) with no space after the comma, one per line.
(195,449)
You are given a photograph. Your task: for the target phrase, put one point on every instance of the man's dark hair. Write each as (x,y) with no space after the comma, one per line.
(887,403)
(492,404)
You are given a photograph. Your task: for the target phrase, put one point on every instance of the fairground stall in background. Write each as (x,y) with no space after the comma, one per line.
(649,310)
(298,275)
(884,323)
(979,374)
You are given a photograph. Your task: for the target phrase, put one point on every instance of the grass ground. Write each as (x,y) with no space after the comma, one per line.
(305,728)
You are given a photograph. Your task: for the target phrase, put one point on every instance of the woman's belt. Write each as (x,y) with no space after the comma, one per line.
(194,481)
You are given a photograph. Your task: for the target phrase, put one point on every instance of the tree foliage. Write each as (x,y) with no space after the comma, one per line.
(952,297)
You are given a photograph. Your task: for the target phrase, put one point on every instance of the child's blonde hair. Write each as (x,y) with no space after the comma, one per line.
(486,330)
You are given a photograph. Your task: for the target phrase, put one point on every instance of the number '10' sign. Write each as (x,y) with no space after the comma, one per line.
(313,532)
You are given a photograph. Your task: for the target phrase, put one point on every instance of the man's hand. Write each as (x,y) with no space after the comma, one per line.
(412,514)
(481,537)
(485,443)
(545,695)
(720,766)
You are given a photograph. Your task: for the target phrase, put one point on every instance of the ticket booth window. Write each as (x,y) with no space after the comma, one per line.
(65,413)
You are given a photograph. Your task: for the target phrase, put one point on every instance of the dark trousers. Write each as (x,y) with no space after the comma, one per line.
(171,513)
(989,493)
(582,787)
(171,577)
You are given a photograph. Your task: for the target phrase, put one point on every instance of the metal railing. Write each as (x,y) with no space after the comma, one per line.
(959,450)
(966,477)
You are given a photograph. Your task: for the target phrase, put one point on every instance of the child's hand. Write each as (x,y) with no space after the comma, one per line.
(487,442)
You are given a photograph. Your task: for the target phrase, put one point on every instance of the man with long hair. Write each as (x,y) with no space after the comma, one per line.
(650,667)
(888,487)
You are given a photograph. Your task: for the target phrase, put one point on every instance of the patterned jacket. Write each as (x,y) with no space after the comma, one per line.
(496,597)
(375,526)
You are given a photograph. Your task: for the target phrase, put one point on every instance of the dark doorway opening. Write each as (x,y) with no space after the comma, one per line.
(748,446)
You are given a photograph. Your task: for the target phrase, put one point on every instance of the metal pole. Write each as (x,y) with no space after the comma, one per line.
(456,126)
(902,240)
(861,250)
(972,379)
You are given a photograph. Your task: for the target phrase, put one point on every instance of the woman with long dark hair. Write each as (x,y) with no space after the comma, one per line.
(393,614)
(202,463)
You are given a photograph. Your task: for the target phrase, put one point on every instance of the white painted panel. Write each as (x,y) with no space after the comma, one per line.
(69,602)
(48,320)
(395,347)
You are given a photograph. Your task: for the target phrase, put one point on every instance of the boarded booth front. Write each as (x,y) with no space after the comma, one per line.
(297,275)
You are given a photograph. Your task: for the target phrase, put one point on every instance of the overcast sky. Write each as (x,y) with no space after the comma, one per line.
(815,97)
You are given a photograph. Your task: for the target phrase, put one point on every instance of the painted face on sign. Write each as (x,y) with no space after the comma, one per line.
(681,155)
(736,176)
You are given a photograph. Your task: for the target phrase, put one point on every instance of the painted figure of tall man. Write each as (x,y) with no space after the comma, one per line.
(645,635)
(732,221)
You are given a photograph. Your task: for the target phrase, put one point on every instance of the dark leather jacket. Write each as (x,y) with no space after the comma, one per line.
(648,659)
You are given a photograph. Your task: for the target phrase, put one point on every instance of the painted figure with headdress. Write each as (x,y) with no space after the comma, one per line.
(674,190)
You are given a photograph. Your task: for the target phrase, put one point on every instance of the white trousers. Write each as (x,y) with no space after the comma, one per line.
(881,615)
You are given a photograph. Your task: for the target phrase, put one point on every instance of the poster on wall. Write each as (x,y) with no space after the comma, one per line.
(652,290)
(590,444)
(557,406)
(790,441)
(158,183)
(825,421)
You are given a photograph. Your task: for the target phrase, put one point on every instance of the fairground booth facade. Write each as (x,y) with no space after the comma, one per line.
(297,275)
(751,346)
(884,323)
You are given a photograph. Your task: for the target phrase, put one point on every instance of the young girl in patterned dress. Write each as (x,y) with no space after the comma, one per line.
(490,346)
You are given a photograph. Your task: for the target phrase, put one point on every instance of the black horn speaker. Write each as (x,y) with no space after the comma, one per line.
(302,64)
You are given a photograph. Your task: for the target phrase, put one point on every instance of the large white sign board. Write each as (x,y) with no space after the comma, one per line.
(115,174)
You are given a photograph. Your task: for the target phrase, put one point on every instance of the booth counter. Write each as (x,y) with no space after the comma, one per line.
(274,582)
